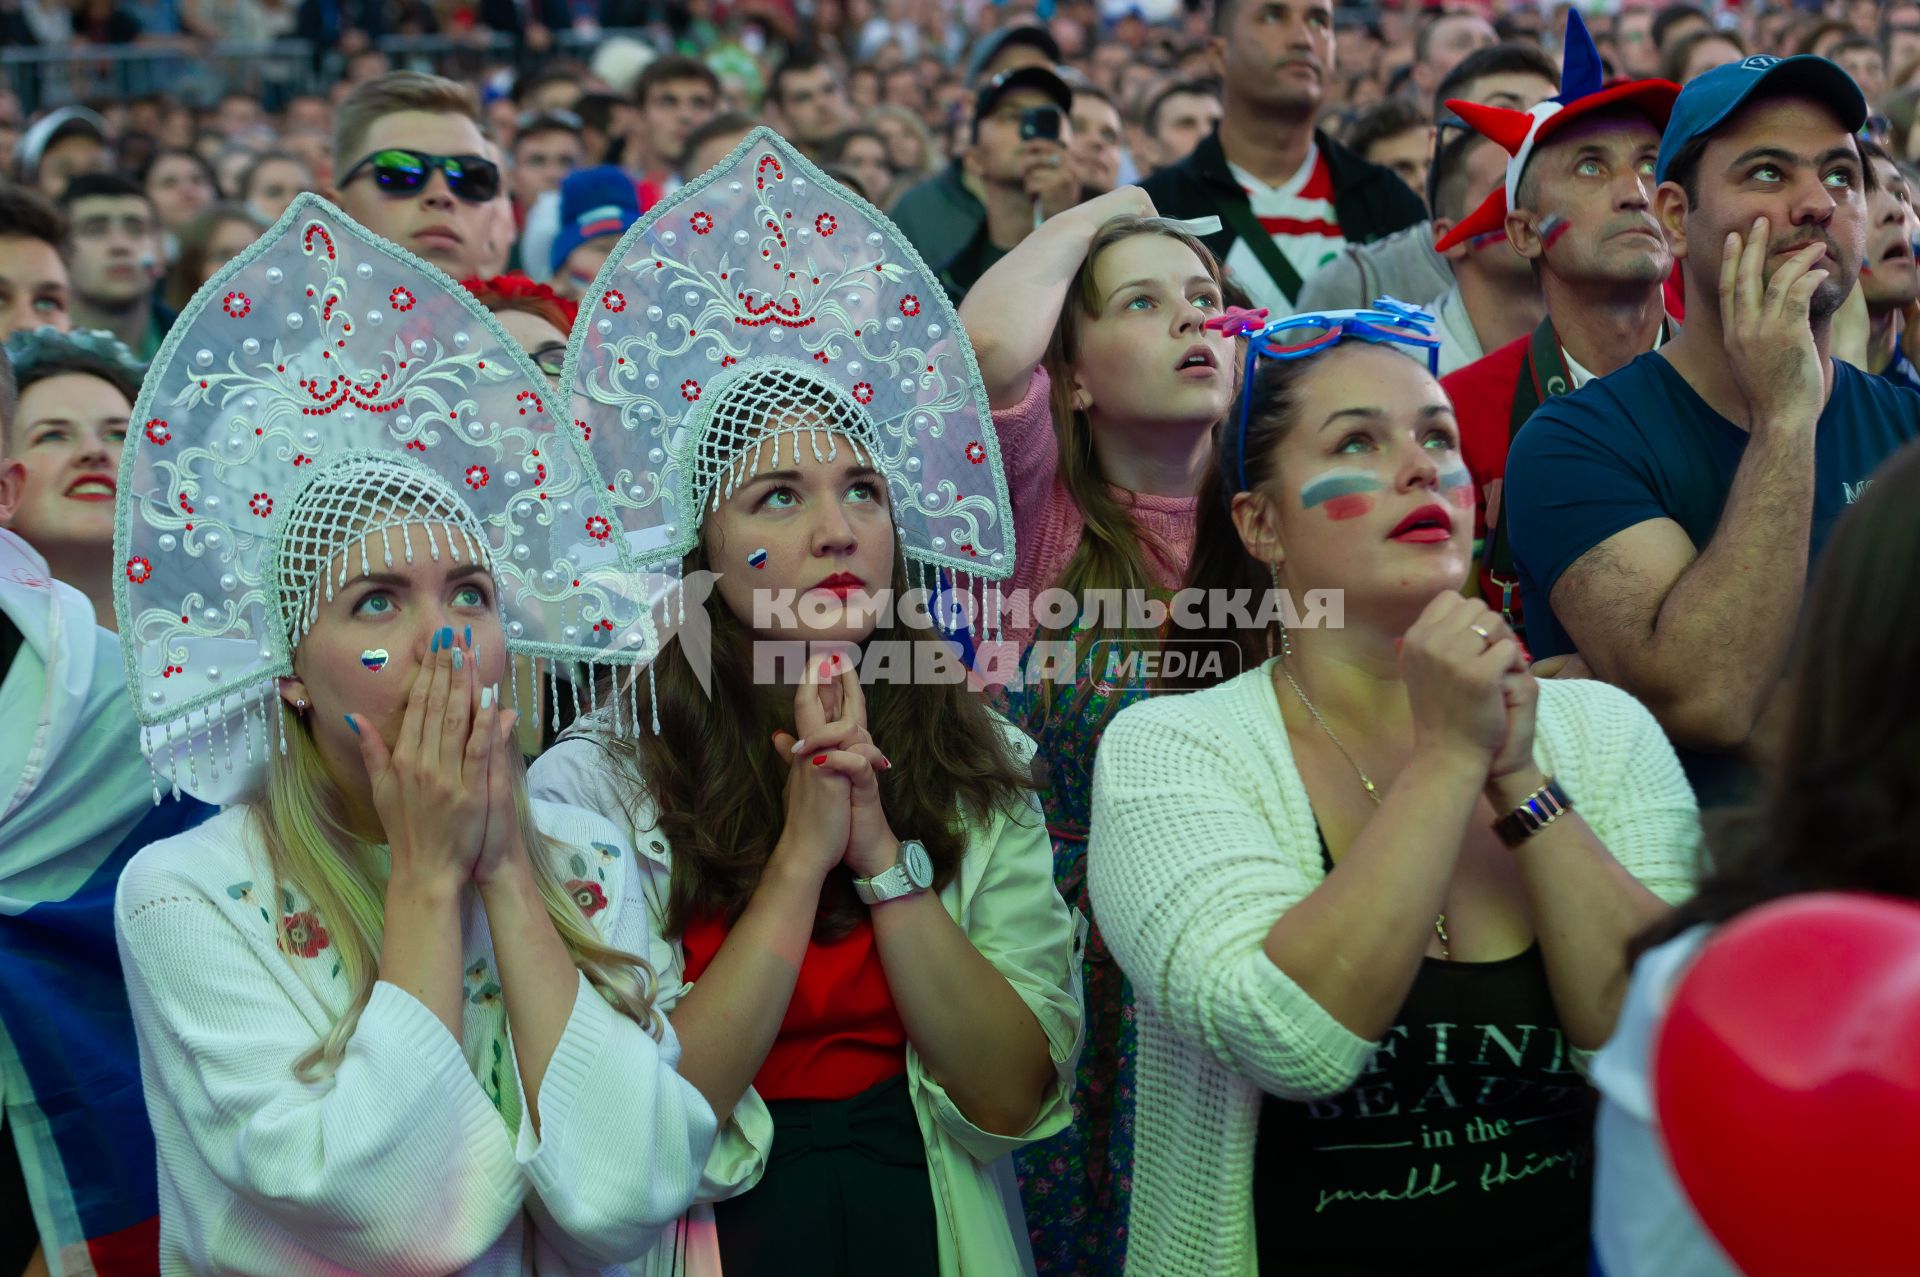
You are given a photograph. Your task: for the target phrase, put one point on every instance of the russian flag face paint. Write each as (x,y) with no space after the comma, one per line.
(1456,485)
(1552,227)
(1346,494)
(758,559)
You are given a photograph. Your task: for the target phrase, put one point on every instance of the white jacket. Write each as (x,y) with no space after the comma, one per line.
(399,1163)
(1005,900)
(1202,835)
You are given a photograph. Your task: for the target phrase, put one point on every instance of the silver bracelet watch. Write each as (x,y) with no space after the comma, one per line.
(910,875)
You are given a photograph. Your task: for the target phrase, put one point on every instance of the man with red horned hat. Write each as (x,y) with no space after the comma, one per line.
(1578,204)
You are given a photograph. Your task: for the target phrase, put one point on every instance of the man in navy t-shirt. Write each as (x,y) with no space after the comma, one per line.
(1664,517)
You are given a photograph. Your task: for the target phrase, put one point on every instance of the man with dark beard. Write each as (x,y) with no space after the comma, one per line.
(1664,518)
(1289,197)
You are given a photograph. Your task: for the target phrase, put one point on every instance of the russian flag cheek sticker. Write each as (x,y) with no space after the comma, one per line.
(375,659)
(758,559)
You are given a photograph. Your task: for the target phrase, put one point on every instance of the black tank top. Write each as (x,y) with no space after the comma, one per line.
(1466,1145)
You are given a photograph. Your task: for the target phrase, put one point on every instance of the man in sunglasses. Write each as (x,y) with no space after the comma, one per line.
(413,165)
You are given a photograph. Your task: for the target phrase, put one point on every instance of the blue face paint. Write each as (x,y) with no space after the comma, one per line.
(1456,485)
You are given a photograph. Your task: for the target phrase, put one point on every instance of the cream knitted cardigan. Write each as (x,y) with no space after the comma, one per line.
(1202,836)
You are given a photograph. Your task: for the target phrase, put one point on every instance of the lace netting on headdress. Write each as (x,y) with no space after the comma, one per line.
(323,386)
(763,298)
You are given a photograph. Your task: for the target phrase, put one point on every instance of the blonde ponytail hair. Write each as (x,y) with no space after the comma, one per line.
(309,847)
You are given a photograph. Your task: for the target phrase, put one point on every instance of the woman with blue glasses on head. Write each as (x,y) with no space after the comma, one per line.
(1371,891)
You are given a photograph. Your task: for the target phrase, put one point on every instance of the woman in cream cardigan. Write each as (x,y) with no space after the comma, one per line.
(1367,991)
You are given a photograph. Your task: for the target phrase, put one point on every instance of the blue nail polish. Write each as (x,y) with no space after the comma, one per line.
(436,642)
(446,636)
(469,638)
(350,723)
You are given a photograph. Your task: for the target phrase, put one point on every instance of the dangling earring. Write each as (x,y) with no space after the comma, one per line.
(1286,644)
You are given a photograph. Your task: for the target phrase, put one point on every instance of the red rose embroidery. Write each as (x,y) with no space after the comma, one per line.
(909,305)
(139,571)
(863,393)
(702,223)
(157,431)
(615,300)
(237,305)
(402,300)
(690,390)
(976,452)
(825,224)
(261,504)
(598,528)
(588,896)
(302,934)
(476,477)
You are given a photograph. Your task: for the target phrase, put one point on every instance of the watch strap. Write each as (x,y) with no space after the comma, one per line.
(1539,809)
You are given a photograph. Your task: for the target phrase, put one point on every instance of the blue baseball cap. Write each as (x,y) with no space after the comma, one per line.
(596,201)
(1708,99)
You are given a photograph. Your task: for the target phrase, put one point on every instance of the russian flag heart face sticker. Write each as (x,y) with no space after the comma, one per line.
(758,559)
(375,659)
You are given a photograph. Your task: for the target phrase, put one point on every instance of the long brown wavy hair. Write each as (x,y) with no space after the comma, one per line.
(718,788)
(1839,814)
(1110,554)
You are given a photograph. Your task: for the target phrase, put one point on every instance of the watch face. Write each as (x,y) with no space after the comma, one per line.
(919,865)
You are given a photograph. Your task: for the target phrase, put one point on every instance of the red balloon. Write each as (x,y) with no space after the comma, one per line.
(1787,1086)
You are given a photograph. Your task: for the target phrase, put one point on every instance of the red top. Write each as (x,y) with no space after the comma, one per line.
(1482,395)
(841,1034)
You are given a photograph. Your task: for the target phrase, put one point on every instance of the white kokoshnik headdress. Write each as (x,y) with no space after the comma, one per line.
(765,300)
(324,386)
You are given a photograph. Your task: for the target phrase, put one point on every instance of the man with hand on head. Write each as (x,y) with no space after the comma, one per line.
(1495,295)
(1664,518)
(1405,265)
(411,164)
(1576,205)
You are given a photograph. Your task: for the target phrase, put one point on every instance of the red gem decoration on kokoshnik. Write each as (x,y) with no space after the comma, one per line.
(702,223)
(826,224)
(237,305)
(139,571)
(598,528)
(157,432)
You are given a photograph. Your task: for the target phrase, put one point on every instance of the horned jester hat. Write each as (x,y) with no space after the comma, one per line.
(328,389)
(1520,133)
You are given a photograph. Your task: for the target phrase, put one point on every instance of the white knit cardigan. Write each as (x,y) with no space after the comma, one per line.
(1202,836)
(398,1164)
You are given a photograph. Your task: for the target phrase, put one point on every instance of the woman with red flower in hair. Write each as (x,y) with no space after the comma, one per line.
(532,314)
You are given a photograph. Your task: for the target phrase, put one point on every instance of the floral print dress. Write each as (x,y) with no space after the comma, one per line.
(1075,1186)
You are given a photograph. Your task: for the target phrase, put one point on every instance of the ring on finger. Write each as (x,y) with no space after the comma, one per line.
(1485,637)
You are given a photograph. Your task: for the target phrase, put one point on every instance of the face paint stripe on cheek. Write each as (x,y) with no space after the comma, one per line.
(1323,488)
(1456,485)
(1351,506)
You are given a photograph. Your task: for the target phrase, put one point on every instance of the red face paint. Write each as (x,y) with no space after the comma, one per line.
(1351,506)
(1552,229)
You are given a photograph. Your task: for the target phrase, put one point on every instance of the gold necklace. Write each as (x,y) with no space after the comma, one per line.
(1440,921)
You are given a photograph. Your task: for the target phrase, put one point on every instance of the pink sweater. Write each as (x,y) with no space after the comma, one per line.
(1047,524)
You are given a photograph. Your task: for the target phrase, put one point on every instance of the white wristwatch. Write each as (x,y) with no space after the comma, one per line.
(910,875)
